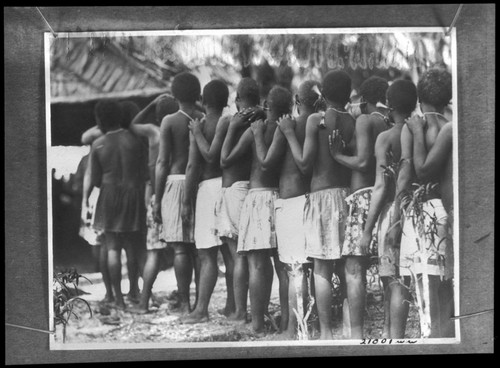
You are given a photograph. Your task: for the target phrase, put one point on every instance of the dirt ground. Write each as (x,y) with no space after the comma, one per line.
(161,325)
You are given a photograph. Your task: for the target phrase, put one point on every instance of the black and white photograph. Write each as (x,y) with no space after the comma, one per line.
(253,186)
(220,191)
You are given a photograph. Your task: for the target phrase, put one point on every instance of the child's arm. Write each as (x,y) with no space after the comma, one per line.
(364,147)
(192,178)
(271,157)
(138,127)
(229,154)
(379,190)
(210,152)
(428,164)
(91,134)
(304,158)
(95,168)
(162,166)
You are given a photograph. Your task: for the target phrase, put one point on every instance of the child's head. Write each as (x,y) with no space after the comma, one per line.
(402,96)
(374,90)
(186,88)
(165,106)
(248,92)
(434,88)
(215,94)
(306,93)
(129,111)
(337,87)
(279,101)
(108,115)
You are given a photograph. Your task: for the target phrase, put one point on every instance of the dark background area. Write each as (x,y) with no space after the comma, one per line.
(26,251)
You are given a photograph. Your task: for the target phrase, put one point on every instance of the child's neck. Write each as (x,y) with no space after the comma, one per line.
(187,107)
(335,105)
(212,111)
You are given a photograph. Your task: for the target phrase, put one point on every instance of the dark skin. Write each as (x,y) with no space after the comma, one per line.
(172,159)
(326,173)
(292,183)
(362,164)
(116,160)
(407,175)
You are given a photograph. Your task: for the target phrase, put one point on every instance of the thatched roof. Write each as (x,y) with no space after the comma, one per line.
(85,69)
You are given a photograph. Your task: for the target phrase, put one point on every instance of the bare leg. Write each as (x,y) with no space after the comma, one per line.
(197,271)
(183,268)
(387,309)
(131,242)
(208,279)
(229,263)
(106,278)
(115,267)
(399,307)
(240,283)
(355,271)
(259,263)
(323,271)
(151,270)
(280,268)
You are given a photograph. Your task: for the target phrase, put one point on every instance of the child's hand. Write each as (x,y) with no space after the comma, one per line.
(335,143)
(364,243)
(239,119)
(186,214)
(257,126)
(415,123)
(286,124)
(195,125)
(157,212)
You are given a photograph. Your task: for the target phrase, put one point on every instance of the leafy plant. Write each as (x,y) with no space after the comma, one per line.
(66,295)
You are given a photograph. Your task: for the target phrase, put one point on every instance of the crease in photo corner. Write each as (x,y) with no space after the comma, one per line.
(49,37)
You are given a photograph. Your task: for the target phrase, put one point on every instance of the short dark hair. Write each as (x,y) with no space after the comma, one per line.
(129,111)
(434,87)
(215,94)
(165,106)
(337,86)
(279,100)
(248,90)
(402,96)
(186,87)
(307,96)
(108,114)
(374,90)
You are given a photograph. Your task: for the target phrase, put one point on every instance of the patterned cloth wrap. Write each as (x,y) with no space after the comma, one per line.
(325,212)
(359,205)
(290,229)
(171,209)
(228,209)
(416,245)
(154,229)
(208,193)
(87,231)
(257,229)
(388,254)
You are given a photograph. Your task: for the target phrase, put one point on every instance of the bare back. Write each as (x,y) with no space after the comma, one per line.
(292,182)
(177,124)
(392,138)
(240,170)
(260,178)
(210,170)
(120,155)
(328,173)
(374,125)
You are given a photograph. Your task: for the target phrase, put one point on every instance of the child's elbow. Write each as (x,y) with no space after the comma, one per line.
(223,164)
(363,166)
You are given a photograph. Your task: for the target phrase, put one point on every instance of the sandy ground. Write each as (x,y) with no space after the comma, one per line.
(161,325)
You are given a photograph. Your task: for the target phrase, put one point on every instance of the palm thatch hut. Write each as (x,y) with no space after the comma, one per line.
(85,70)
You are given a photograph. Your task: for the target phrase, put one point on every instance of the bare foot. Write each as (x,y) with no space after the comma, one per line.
(180,308)
(173,296)
(133,297)
(193,318)
(225,311)
(120,304)
(155,302)
(138,310)
(237,318)
(108,299)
